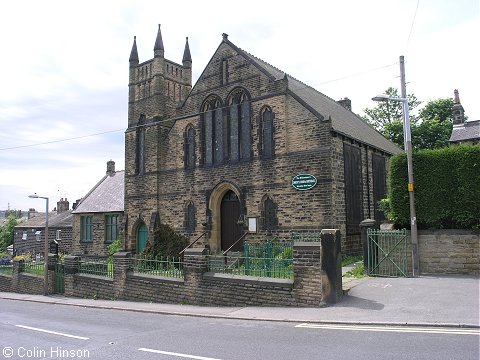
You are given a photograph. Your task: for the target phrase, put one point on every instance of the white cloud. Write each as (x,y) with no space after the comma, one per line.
(67,67)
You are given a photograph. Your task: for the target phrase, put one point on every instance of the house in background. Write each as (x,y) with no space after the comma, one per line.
(463,132)
(29,236)
(98,217)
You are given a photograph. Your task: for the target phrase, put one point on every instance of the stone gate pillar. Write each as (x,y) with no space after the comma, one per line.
(121,266)
(194,266)
(332,291)
(307,284)
(364,226)
(70,271)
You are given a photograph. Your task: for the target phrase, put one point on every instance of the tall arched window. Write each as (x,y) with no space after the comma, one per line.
(140,148)
(239,126)
(270,220)
(190,214)
(212,124)
(266,128)
(190,147)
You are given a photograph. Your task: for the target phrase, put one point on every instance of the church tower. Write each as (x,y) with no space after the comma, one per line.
(156,87)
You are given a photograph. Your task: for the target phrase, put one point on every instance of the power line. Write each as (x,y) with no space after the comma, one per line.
(169,120)
(61,140)
(411,27)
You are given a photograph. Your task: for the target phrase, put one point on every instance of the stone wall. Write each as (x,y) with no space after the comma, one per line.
(314,281)
(449,252)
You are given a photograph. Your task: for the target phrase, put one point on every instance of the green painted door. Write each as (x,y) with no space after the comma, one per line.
(142,236)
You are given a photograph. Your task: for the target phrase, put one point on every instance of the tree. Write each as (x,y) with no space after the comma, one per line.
(6,231)
(430,129)
(435,126)
(387,116)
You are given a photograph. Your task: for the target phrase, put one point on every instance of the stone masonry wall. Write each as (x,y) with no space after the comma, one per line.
(201,287)
(449,252)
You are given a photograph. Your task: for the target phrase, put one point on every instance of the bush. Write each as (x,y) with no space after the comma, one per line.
(447,194)
(166,242)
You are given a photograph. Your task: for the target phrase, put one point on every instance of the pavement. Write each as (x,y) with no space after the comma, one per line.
(443,301)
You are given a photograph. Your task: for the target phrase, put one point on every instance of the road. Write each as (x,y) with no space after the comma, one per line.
(45,331)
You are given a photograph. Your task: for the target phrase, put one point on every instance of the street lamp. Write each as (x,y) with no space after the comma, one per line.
(45,256)
(408,149)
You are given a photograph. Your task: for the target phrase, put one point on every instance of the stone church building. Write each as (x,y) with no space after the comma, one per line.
(227,156)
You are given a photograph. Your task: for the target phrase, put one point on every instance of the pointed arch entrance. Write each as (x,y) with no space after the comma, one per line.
(225,207)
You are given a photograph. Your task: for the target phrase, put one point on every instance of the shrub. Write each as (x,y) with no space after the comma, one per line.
(447,194)
(166,242)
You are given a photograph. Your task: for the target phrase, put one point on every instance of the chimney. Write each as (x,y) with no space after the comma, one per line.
(62,205)
(111,168)
(75,204)
(457,110)
(346,103)
(31,213)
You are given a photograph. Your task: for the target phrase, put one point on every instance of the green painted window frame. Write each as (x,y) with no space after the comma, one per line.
(112,227)
(86,228)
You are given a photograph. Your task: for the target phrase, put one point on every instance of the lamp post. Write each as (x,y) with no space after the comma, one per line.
(45,250)
(407,140)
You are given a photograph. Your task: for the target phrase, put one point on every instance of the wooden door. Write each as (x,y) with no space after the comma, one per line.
(231,231)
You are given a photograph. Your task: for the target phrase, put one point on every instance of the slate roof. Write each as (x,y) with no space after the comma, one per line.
(63,219)
(470,130)
(343,120)
(106,196)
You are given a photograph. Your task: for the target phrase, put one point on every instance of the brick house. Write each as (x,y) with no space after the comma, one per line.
(218,159)
(98,216)
(29,236)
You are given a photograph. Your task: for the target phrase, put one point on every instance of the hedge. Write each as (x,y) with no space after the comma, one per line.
(447,188)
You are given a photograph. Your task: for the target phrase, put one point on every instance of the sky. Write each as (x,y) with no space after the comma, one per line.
(63,94)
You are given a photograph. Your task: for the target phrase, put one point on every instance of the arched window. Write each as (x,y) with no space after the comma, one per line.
(266,127)
(239,127)
(212,134)
(270,221)
(190,147)
(190,214)
(140,153)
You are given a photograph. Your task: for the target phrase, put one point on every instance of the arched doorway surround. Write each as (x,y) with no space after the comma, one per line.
(215,205)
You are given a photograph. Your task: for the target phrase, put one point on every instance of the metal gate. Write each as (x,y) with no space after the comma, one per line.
(59,278)
(387,253)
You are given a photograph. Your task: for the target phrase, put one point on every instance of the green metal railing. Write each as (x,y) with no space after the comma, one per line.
(6,269)
(35,268)
(159,266)
(268,249)
(307,236)
(387,253)
(96,266)
(252,266)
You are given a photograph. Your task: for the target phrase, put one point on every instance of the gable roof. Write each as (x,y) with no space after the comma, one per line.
(106,196)
(55,220)
(469,130)
(343,121)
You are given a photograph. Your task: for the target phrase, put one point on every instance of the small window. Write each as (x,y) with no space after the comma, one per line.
(86,228)
(267,144)
(140,151)
(190,148)
(190,222)
(112,228)
(270,220)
